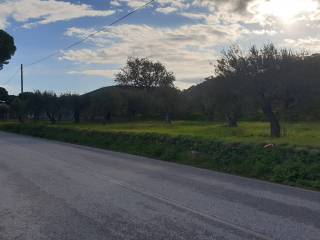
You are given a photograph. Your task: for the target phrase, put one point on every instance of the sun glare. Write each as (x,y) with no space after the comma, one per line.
(287,10)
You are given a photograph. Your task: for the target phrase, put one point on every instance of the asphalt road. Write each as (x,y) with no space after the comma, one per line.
(51,190)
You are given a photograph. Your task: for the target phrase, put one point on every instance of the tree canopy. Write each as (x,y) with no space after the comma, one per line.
(7,48)
(143,73)
(272,78)
(3,95)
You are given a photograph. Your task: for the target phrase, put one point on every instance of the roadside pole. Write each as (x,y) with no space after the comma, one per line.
(21,78)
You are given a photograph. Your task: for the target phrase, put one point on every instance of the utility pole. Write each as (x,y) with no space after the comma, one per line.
(21,78)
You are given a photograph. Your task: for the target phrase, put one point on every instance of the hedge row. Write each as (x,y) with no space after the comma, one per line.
(281,164)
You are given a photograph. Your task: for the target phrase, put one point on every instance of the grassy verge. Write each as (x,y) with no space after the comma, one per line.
(296,134)
(282,164)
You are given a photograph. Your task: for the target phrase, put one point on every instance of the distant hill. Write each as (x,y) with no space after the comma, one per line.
(192,91)
(103,90)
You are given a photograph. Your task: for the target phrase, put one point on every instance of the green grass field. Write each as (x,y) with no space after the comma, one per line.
(296,134)
(295,160)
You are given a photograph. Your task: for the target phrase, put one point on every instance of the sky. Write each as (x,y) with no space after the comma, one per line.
(187,36)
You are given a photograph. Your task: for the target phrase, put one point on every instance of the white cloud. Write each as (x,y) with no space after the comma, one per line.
(263,12)
(35,12)
(310,44)
(129,3)
(261,32)
(283,10)
(187,50)
(96,72)
(167,10)
(115,3)
(195,16)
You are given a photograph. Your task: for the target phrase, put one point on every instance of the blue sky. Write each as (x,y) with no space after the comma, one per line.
(186,35)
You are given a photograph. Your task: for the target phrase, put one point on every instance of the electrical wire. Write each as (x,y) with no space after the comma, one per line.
(72,45)
(11,78)
(90,35)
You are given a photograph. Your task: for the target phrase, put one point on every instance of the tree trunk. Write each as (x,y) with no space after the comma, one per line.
(168,118)
(106,118)
(232,120)
(51,118)
(59,117)
(76,116)
(275,128)
(36,117)
(132,115)
(20,118)
(92,118)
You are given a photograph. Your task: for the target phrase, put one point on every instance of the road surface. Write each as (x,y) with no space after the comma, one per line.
(51,190)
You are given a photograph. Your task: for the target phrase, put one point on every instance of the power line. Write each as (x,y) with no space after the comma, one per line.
(80,41)
(12,77)
(90,35)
